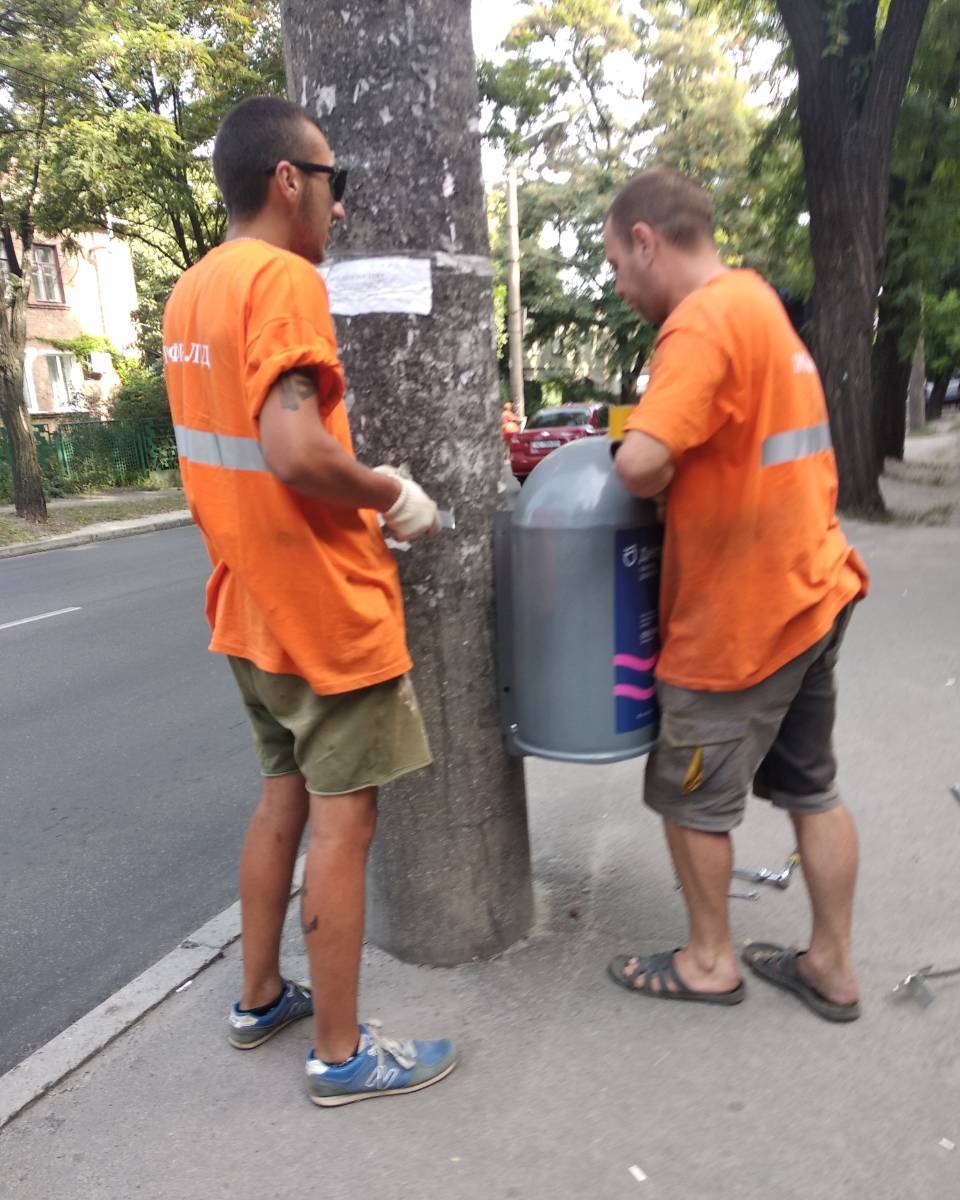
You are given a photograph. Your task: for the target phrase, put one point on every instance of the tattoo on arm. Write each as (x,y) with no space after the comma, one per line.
(295,387)
(308,929)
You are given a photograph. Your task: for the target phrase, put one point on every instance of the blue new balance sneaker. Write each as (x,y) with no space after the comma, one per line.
(247,1030)
(380,1067)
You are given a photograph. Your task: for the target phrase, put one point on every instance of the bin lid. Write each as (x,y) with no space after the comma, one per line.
(576,487)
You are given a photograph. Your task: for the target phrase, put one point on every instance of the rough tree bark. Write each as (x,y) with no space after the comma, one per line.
(938,395)
(916,389)
(900,311)
(394,86)
(850,89)
(891,376)
(28,495)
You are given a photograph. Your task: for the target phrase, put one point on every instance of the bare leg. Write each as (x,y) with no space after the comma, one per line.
(341,830)
(829,856)
(266,870)
(703,862)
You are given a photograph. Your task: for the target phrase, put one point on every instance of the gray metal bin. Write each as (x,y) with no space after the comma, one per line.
(578,570)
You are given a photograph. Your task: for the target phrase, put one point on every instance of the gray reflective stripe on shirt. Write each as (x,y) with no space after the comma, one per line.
(219,450)
(797,443)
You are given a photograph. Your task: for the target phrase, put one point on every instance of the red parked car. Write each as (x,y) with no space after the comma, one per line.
(551,428)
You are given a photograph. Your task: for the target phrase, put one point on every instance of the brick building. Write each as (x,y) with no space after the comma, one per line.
(90,292)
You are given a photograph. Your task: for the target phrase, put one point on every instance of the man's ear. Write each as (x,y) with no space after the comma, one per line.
(644,239)
(287,178)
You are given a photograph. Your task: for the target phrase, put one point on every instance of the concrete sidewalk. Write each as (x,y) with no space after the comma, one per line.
(567,1082)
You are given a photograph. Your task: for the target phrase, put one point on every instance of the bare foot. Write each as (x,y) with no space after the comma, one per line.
(697,975)
(839,985)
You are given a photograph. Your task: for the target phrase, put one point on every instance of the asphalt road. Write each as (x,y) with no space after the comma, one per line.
(126,775)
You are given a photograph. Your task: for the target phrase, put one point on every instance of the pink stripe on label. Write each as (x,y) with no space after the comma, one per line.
(635,664)
(634,693)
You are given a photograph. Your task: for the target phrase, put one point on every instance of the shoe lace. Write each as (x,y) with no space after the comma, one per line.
(403,1051)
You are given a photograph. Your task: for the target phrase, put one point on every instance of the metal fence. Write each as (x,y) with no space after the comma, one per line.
(88,454)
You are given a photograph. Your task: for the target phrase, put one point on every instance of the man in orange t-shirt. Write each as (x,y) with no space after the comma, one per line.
(509,425)
(757,588)
(304,597)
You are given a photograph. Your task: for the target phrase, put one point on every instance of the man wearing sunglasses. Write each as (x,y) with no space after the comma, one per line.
(304,598)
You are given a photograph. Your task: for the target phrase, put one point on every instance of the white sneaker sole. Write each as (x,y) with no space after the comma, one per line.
(266,1037)
(338,1101)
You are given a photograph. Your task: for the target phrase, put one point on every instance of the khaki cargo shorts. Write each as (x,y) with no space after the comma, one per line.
(776,736)
(340,744)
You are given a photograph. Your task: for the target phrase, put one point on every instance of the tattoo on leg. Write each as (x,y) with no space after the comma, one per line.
(308,929)
(295,387)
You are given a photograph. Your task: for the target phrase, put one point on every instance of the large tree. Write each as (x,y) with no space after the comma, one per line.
(923,220)
(587,93)
(853,61)
(107,112)
(37,79)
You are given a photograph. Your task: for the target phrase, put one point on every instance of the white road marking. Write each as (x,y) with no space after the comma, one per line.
(40,617)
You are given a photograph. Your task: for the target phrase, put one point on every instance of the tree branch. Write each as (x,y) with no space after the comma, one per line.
(803,22)
(898,45)
(9,249)
(181,266)
(180,234)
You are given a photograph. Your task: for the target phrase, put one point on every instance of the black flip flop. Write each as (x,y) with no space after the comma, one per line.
(660,967)
(778,965)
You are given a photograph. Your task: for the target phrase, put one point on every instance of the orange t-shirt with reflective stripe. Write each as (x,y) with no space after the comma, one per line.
(298,587)
(755,564)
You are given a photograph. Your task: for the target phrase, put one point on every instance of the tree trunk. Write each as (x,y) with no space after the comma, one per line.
(395,88)
(938,394)
(844,308)
(28,495)
(849,101)
(891,376)
(916,406)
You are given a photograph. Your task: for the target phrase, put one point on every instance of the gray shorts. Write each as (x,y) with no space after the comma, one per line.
(776,736)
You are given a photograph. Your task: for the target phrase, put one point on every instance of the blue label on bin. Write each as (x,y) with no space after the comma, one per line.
(635,629)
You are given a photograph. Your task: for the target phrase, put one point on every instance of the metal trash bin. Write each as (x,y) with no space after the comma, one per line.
(578,572)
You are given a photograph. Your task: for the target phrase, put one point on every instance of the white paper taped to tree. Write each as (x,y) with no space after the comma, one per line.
(379,285)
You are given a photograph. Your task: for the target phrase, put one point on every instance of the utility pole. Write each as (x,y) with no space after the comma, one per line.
(394,87)
(514,311)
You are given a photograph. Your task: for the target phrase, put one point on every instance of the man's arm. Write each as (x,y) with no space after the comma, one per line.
(644,465)
(303,455)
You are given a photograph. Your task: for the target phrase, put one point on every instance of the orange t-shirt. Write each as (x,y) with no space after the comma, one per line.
(755,565)
(298,587)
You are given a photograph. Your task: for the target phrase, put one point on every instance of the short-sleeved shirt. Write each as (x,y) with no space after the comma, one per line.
(755,564)
(298,587)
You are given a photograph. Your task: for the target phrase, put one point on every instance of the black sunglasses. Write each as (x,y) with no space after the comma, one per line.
(338,175)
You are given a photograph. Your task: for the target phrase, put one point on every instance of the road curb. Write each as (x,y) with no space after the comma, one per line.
(84,537)
(31,1079)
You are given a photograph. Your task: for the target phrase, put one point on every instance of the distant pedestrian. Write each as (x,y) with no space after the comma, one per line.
(757,589)
(509,424)
(304,597)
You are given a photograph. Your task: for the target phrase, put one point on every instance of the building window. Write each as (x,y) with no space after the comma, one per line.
(45,284)
(62,369)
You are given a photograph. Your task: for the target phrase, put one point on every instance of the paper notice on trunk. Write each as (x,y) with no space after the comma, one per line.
(379,285)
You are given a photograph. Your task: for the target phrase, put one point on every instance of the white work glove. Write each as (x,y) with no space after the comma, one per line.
(413,514)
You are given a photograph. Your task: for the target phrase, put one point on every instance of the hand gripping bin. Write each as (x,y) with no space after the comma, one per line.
(578,573)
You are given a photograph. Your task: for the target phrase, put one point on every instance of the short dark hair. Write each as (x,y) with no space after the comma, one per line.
(674,205)
(254,136)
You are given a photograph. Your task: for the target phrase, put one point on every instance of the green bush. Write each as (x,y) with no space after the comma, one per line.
(141,399)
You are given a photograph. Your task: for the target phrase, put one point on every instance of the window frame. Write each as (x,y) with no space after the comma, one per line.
(36,275)
(67,361)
